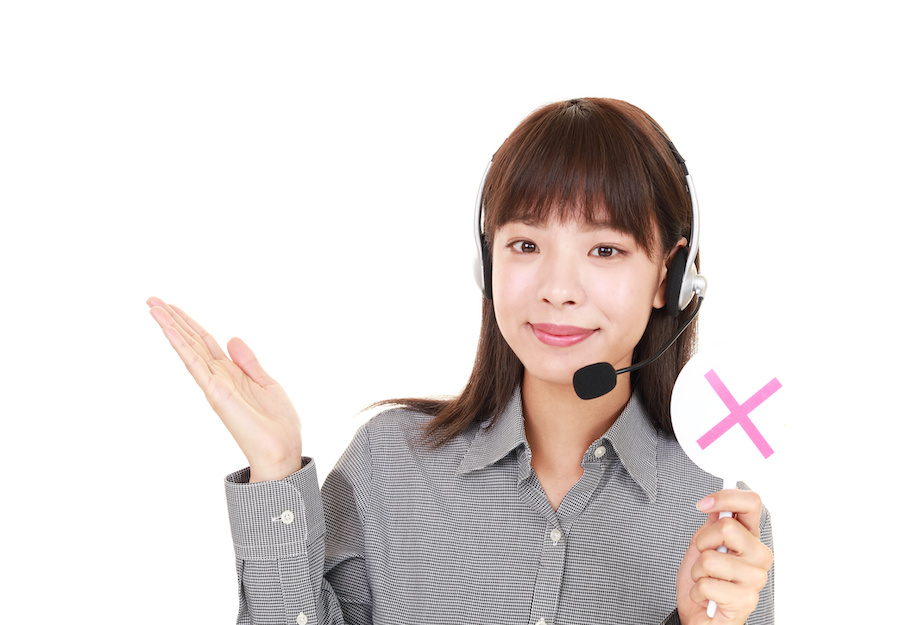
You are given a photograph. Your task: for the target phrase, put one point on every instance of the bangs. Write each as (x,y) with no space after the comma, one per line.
(576,161)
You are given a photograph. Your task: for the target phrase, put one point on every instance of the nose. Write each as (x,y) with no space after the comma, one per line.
(560,281)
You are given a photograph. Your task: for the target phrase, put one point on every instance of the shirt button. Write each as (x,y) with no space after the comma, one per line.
(600,452)
(287,517)
(301,619)
(541,621)
(555,535)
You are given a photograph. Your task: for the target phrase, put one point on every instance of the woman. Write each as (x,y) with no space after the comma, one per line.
(518,501)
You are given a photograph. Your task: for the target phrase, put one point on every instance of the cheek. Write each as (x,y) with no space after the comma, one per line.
(629,298)
(511,286)
(507,302)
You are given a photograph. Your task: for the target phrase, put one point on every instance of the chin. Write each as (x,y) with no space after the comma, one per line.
(552,378)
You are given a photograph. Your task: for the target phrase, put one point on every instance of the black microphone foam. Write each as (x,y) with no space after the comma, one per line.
(594,380)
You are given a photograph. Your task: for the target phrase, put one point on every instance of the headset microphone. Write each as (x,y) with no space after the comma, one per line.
(598,379)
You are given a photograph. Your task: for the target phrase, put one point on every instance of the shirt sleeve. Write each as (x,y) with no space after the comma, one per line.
(278,528)
(346,494)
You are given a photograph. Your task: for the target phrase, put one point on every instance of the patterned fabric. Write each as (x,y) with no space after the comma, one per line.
(465,534)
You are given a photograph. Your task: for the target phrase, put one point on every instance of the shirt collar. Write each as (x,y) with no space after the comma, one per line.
(633,437)
(635,440)
(496,437)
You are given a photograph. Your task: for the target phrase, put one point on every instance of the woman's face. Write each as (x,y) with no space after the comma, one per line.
(567,295)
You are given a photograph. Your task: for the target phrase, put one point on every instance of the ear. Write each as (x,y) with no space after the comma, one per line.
(671,276)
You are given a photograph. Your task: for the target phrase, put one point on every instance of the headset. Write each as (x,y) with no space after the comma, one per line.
(683,280)
(682,283)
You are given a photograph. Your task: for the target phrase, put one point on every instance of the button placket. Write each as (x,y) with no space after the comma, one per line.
(548,580)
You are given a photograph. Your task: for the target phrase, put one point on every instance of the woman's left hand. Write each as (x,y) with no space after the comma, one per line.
(733,579)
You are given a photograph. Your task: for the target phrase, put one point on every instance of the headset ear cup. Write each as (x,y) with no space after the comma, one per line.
(486,265)
(674,280)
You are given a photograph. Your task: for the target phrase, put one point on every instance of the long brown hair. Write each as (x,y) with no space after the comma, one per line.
(592,160)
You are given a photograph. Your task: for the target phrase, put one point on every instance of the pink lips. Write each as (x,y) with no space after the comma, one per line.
(559,336)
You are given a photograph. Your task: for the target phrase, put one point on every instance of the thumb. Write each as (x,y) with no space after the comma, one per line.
(244,358)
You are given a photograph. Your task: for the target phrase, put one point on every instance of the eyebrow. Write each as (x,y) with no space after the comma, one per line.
(599,225)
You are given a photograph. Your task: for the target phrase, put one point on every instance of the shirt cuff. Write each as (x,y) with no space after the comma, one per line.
(276,519)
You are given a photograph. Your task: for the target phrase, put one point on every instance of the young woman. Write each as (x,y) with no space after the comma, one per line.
(518,501)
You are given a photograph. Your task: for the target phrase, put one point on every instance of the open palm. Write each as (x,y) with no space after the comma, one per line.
(252,405)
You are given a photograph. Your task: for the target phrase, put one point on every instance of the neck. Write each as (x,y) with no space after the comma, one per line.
(560,426)
(554,412)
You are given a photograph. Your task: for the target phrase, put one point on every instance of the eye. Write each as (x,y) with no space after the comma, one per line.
(604,251)
(523,247)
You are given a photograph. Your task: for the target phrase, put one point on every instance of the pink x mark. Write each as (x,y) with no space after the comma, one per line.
(740,413)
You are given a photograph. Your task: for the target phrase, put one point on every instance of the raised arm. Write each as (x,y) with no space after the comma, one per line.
(277,521)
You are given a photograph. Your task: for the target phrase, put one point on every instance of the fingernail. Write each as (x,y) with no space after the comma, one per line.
(705,504)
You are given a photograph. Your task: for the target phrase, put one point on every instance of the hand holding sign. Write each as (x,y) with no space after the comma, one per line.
(726,418)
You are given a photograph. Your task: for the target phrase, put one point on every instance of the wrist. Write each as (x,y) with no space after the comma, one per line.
(269,473)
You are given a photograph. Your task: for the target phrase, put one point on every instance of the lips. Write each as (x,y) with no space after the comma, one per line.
(559,336)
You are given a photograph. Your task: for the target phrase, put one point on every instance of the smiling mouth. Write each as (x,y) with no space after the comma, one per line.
(559,336)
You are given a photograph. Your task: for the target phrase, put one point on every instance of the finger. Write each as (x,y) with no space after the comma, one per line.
(737,539)
(730,568)
(201,334)
(734,602)
(184,345)
(177,321)
(186,328)
(244,358)
(167,319)
(744,504)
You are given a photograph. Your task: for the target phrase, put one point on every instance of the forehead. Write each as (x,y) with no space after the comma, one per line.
(561,219)
(559,210)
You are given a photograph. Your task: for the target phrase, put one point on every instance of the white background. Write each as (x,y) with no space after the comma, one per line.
(303,177)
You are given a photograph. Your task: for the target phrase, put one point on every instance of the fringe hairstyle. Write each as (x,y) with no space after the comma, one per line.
(593,160)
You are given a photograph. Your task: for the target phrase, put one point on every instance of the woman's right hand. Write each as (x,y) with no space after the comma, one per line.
(252,405)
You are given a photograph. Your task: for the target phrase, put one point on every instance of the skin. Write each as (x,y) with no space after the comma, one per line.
(558,273)
(733,579)
(252,405)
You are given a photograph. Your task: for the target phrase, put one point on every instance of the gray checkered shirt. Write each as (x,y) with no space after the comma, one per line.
(465,534)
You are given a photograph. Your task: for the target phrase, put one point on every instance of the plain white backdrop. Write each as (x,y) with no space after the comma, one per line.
(302,175)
